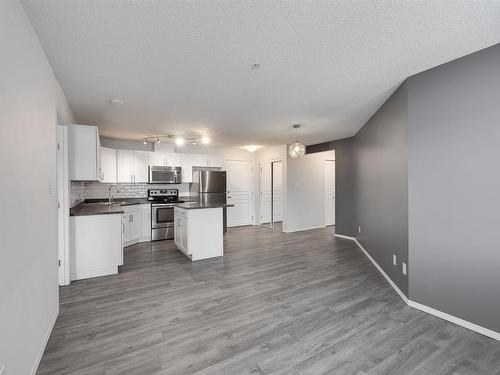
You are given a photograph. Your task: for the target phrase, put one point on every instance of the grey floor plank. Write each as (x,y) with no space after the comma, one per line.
(300,303)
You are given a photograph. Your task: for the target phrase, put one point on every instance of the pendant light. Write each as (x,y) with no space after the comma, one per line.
(296,149)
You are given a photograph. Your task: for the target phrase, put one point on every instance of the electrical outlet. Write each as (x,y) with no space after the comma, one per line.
(394,259)
(359,229)
(404,268)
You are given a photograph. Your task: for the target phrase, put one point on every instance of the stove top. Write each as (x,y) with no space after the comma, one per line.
(164,196)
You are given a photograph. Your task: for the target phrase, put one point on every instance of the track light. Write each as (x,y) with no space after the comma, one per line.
(179,141)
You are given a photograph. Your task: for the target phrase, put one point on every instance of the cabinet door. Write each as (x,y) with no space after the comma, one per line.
(215,161)
(83,153)
(135,225)
(124,166)
(178,230)
(200,160)
(173,159)
(184,235)
(157,158)
(125,228)
(146,221)
(108,165)
(141,162)
(186,163)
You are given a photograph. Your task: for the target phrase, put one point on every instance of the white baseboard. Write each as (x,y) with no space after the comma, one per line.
(394,286)
(453,319)
(94,273)
(302,229)
(45,341)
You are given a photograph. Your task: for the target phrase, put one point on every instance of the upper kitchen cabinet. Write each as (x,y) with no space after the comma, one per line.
(164,159)
(206,160)
(84,153)
(186,163)
(132,166)
(108,165)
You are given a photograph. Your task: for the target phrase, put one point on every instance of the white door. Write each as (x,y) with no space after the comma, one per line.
(124,166)
(329,192)
(108,165)
(141,163)
(277,191)
(239,192)
(265,186)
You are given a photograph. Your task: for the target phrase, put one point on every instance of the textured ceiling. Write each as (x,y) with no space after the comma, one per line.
(186,65)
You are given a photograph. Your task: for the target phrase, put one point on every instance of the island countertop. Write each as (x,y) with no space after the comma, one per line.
(201,205)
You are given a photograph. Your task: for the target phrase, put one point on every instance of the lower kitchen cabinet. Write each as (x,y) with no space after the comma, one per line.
(198,232)
(145,223)
(136,224)
(95,245)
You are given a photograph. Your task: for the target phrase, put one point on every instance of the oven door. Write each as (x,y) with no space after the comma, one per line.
(162,216)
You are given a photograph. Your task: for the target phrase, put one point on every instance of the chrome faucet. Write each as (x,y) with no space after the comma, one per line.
(109,192)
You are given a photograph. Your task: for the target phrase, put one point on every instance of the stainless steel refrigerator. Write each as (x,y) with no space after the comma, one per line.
(210,187)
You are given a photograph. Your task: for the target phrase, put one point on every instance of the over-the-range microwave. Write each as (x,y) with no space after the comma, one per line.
(159,174)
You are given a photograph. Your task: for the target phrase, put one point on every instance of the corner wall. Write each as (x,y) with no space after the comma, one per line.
(31,102)
(381,186)
(454,188)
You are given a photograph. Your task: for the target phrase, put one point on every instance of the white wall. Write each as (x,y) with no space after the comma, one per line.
(30,102)
(305,204)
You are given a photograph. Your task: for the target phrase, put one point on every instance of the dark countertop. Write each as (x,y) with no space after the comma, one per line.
(198,205)
(95,206)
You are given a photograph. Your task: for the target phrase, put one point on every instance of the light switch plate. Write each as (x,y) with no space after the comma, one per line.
(404,268)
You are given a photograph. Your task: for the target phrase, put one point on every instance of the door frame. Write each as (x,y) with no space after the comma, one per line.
(324,189)
(252,179)
(260,163)
(62,176)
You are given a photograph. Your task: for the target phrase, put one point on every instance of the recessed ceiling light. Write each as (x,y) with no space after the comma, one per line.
(115,101)
(251,148)
(255,66)
(205,140)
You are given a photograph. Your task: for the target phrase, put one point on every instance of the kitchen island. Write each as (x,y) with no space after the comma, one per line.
(198,229)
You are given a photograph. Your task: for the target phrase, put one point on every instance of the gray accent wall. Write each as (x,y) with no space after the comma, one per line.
(344,181)
(381,186)
(454,187)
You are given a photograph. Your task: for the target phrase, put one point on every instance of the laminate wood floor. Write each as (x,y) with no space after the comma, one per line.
(301,303)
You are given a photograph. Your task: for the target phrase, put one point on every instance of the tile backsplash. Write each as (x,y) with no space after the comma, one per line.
(94,190)
(77,192)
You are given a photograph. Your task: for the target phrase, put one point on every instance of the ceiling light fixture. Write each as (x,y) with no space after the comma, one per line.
(251,148)
(115,101)
(296,149)
(178,140)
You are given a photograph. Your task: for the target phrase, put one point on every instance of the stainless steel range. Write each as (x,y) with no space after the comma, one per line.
(162,212)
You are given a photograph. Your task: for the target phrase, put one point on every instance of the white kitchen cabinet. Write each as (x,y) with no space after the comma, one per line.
(200,160)
(132,226)
(158,158)
(215,161)
(108,165)
(95,246)
(198,232)
(186,163)
(132,166)
(145,223)
(141,163)
(84,153)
